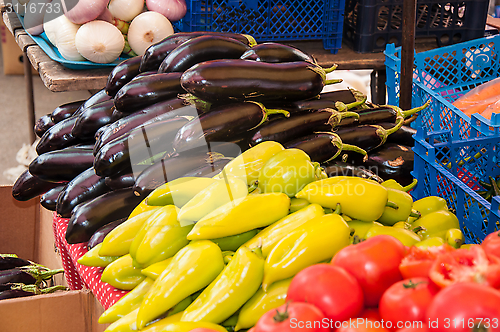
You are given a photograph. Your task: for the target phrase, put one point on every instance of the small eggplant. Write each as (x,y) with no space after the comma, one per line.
(59,137)
(322,147)
(246,80)
(200,49)
(15,290)
(142,143)
(84,187)
(375,115)
(146,73)
(209,170)
(345,96)
(403,136)
(123,73)
(93,118)
(125,179)
(155,54)
(8,261)
(225,123)
(102,210)
(17,275)
(28,186)
(43,124)
(14,294)
(61,165)
(298,125)
(338,168)
(64,111)
(49,199)
(101,233)
(145,91)
(97,98)
(275,53)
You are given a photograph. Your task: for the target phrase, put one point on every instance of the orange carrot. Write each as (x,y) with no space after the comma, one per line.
(481,92)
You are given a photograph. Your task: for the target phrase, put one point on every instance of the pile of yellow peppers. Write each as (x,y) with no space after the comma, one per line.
(220,252)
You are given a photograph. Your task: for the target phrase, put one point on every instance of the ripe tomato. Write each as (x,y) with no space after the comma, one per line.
(415,328)
(407,301)
(466,265)
(293,316)
(374,263)
(363,325)
(418,261)
(491,244)
(370,313)
(460,307)
(330,288)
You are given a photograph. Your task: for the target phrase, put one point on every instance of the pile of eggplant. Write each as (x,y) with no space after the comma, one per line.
(185,108)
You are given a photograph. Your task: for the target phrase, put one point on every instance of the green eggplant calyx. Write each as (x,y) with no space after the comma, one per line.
(415,214)
(410,186)
(340,106)
(336,142)
(281,316)
(356,239)
(212,157)
(8,256)
(415,110)
(392,205)
(331,69)
(334,81)
(382,133)
(338,209)
(337,116)
(266,112)
(360,98)
(251,40)
(411,284)
(322,72)
(354,148)
(399,124)
(189,99)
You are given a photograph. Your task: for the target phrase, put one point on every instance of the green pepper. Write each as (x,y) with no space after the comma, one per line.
(404,204)
(430,242)
(435,224)
(358,198)
(407,237)
(129,302)
(241,215)
(212,197)
(297,203)
(92,258)
(454,237)
(122,274)
(177,192)
(430,204)
(234,286)
(153,271)
(361,227)
(232,243)
(271,235)
(117,242)
(248,165)
(315,241)
(231,322)
(125,324)
(261,303)
(288,172)
(192,268)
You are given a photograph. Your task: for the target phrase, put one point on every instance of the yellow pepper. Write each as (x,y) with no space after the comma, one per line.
(234,286)
(361,227)
(189,326)
(315,241)
(122,274)
(142,207)
(232,243)
(407,237)
(160,325)
(177,192)
(92,258)
(297,203)
(242,215)
(124,324)
(153,271)
(271,235)
(404,204)
(436,223)
(454,237)
(402,224)
(192,268)
(430,242)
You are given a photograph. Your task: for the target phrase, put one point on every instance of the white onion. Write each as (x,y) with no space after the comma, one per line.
(147,29)
(50,18)
(99,41)
(126,10)
(83,11)
(174,10)
(33,17)
(106,16)
(65,37)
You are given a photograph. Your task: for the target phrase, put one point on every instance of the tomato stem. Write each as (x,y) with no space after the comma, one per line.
(411,284)
(281,316)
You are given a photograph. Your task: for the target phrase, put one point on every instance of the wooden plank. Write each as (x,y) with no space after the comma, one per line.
(23,39)
(58,78)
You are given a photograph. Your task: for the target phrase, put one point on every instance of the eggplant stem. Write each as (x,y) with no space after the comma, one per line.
(337,116)
(354,148)
(331,69)
(195,101)
(392,205)
(267,112)
(340,106)
(336,142)
(334,81)
(410,186)
(399,124)
(360,100)
(251,40)
(415,110)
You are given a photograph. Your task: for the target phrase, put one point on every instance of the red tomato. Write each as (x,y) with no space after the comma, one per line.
(330,288)
(407,301)
(362,325)
(466,265)
(370,313)
(415,328)
(293,316)
(374,263)
(418,261)
(460,306)
(491,244)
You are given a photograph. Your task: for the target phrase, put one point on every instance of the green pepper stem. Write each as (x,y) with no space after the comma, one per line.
(331,69)
(253,186)
(251,40)
(392,205)
(356,239)
(419,229)
(415,214)
(410,186)
(334,81)
(338,209)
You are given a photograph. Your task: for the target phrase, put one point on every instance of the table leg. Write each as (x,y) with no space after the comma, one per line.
(377,87)
(28,77)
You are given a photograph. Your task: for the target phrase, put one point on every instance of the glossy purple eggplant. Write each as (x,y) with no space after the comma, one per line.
(338,168)
(49,199)
(16,275)
(209,170)
(28,186)
(123,73)
(59,137)
(96,98)
(276,53)
(8,262)
(101,233)
(64,111)
(43,124)
(93,118)
(403,136)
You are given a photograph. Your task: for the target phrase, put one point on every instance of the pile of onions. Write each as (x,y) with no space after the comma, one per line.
(174,10)
(147,29)
(65,39)
(99,41)
(125,10)
(83,11)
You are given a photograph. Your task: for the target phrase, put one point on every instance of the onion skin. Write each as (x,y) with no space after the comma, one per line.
(147,29)
(106,16)
(174,10)
(83,11)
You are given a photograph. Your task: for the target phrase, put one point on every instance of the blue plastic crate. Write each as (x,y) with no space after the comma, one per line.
(444,74)
(269,20)
(452,170)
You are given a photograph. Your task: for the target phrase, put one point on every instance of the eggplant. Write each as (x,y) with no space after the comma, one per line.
(59,137)
(225,123)
(124,179)
(123,73)
(148,90)
(101,233)
(246,80)
(346,96)
(28,186)
(49,199)
(298,125)
(209,170)
(14,294)
(338,168)
(322,147)
(61,165)
(101,130)
(93,118)
(146,73)
(276,53)
(64,111)
(97,98)
(17,275)
(84,187)
(200,49)
(116,115)
(403,136)
(102,210)
(142,143)
(155,54)
(157,112)
(43,124)
(8,262)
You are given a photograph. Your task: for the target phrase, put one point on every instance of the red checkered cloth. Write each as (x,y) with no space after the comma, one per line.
(79,276)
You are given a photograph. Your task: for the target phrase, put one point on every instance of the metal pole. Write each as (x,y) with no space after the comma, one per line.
(29,95)
(407,50)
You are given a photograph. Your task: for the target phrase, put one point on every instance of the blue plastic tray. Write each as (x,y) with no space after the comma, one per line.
(54,54)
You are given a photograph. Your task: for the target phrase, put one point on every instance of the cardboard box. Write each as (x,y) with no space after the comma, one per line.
(26,230)
(11,53)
